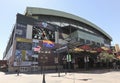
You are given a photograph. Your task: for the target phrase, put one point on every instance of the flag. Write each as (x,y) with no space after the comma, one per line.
(48,43)
(36,49)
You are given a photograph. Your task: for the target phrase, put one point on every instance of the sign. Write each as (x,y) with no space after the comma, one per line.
(69,58)
(61,49)
(25,63)
(35,55)
(23,40)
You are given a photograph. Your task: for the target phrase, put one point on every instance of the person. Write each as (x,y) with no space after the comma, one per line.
(56,62)
(117,64)
(64,62)
(86,61)
(17,71)
(114,64)
(73,63)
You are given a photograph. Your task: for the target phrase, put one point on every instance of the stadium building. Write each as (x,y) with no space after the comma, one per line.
(54,39)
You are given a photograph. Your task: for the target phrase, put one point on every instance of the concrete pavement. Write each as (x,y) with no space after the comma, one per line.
(93,76)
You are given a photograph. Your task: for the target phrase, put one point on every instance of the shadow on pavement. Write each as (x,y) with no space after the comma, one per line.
(85,79)
(98,71)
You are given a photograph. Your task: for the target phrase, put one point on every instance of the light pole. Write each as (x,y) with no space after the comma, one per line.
(56,61)
(57,40)
(44,58)
(18,64)
(58,66)
(18,69)
(68,55)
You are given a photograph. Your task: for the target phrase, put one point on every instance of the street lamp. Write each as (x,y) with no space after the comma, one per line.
(18,69)
(18,64)
(68,55)
(43,59)
(57,59)
(58,64)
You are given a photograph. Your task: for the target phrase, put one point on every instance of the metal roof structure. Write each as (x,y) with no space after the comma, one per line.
(43,11)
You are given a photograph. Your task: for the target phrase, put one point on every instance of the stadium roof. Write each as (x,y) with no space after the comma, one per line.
(43,11)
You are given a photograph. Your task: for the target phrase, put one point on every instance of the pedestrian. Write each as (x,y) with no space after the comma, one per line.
(114,64)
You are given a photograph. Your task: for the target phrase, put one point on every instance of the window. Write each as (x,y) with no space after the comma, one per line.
(87,41)
(93,43)
(98,44)
(102,44)
(82,41)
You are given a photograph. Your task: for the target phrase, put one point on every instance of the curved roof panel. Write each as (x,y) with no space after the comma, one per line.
(43,11)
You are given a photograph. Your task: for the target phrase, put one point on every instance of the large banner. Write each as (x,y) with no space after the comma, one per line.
(21,30)
(23,49)
(23,55)
(23,44)
(43,30)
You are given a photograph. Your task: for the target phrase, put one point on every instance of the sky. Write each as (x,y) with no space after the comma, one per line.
(103,13)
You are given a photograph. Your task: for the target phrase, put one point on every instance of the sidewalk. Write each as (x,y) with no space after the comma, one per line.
(93,76)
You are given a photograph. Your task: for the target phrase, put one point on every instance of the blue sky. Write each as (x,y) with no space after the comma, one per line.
(103,13)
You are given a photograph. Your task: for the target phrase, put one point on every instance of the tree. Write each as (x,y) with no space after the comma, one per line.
(106,58)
